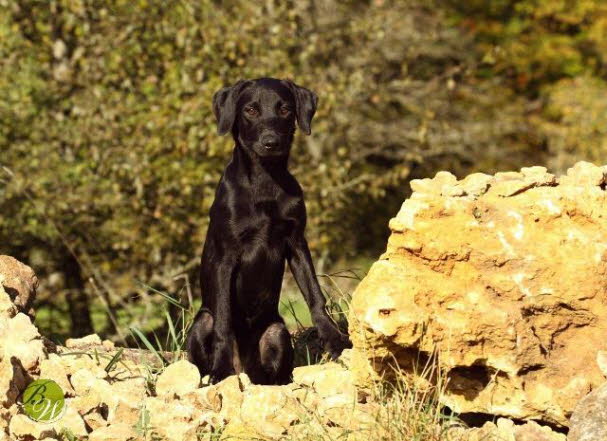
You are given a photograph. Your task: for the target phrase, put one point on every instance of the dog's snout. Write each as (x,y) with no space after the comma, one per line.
(270,142)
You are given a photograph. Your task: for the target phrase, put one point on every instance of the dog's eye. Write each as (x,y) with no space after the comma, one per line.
(284,110)
(251,111)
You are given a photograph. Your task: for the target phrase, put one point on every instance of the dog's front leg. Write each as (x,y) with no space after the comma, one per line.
(300,262)
(219,286)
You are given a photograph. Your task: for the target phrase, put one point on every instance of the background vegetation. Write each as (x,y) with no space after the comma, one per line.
(109,157)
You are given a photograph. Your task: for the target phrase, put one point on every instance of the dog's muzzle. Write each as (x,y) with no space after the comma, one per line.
(270,142)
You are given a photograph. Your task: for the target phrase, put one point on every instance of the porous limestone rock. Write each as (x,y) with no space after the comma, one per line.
(22,427)
(19,282)
(328,379)
(228,394)
(83,342)
(21,346)
(53,369)
(269,410)
(21,352)
(173,420)
(178,378)
(506,430)
(118,431)
(503,278)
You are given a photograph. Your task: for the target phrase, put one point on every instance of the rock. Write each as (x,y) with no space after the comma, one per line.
(94,421)
(441,183)
(326,379)
(83,342)
(24,343)
(21,352)
(94,394)
(236,431)
(118,400)
(228,394)
(22,427)
(7,307)
(106,350)
(19,282)
(532,431)
(132,390)
(178,378)
(505,430)
(71,421)
(173,419)
(52,369)
(269,410)
(538,175)
(313,430)
(589,419)
(476,184)
(108,345)
(125,411)
(585,174)
(508,184)
(473,186)
(90,403)
(21,347)
(13,380)
(202,399)
(86,383)
(76,361)
(119,431)
(507,287)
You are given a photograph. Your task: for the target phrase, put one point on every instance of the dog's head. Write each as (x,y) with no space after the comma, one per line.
(261,114)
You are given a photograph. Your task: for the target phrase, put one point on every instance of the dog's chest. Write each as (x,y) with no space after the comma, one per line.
(270,220)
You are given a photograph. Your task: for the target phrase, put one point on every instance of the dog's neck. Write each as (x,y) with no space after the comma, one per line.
(260,169)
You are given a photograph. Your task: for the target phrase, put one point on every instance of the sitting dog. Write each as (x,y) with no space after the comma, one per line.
(257,222)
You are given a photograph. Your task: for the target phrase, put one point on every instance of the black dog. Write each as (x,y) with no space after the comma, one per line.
(257,222)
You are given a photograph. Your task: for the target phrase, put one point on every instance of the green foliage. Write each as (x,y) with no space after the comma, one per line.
(554,53)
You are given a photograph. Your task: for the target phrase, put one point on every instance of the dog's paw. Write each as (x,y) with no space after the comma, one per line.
(334,341)
(220,374)
(337,346)
(222,369)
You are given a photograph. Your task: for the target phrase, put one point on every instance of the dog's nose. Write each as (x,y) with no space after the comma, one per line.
(270,142)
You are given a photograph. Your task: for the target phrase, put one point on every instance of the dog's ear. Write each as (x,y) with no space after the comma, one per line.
(305,106)
(224,106)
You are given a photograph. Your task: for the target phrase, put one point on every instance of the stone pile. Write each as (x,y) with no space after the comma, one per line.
(117,394)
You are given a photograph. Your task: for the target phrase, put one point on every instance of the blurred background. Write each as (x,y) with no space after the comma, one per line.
(109,157)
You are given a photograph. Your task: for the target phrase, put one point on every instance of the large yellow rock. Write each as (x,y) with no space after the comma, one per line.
(504,277)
